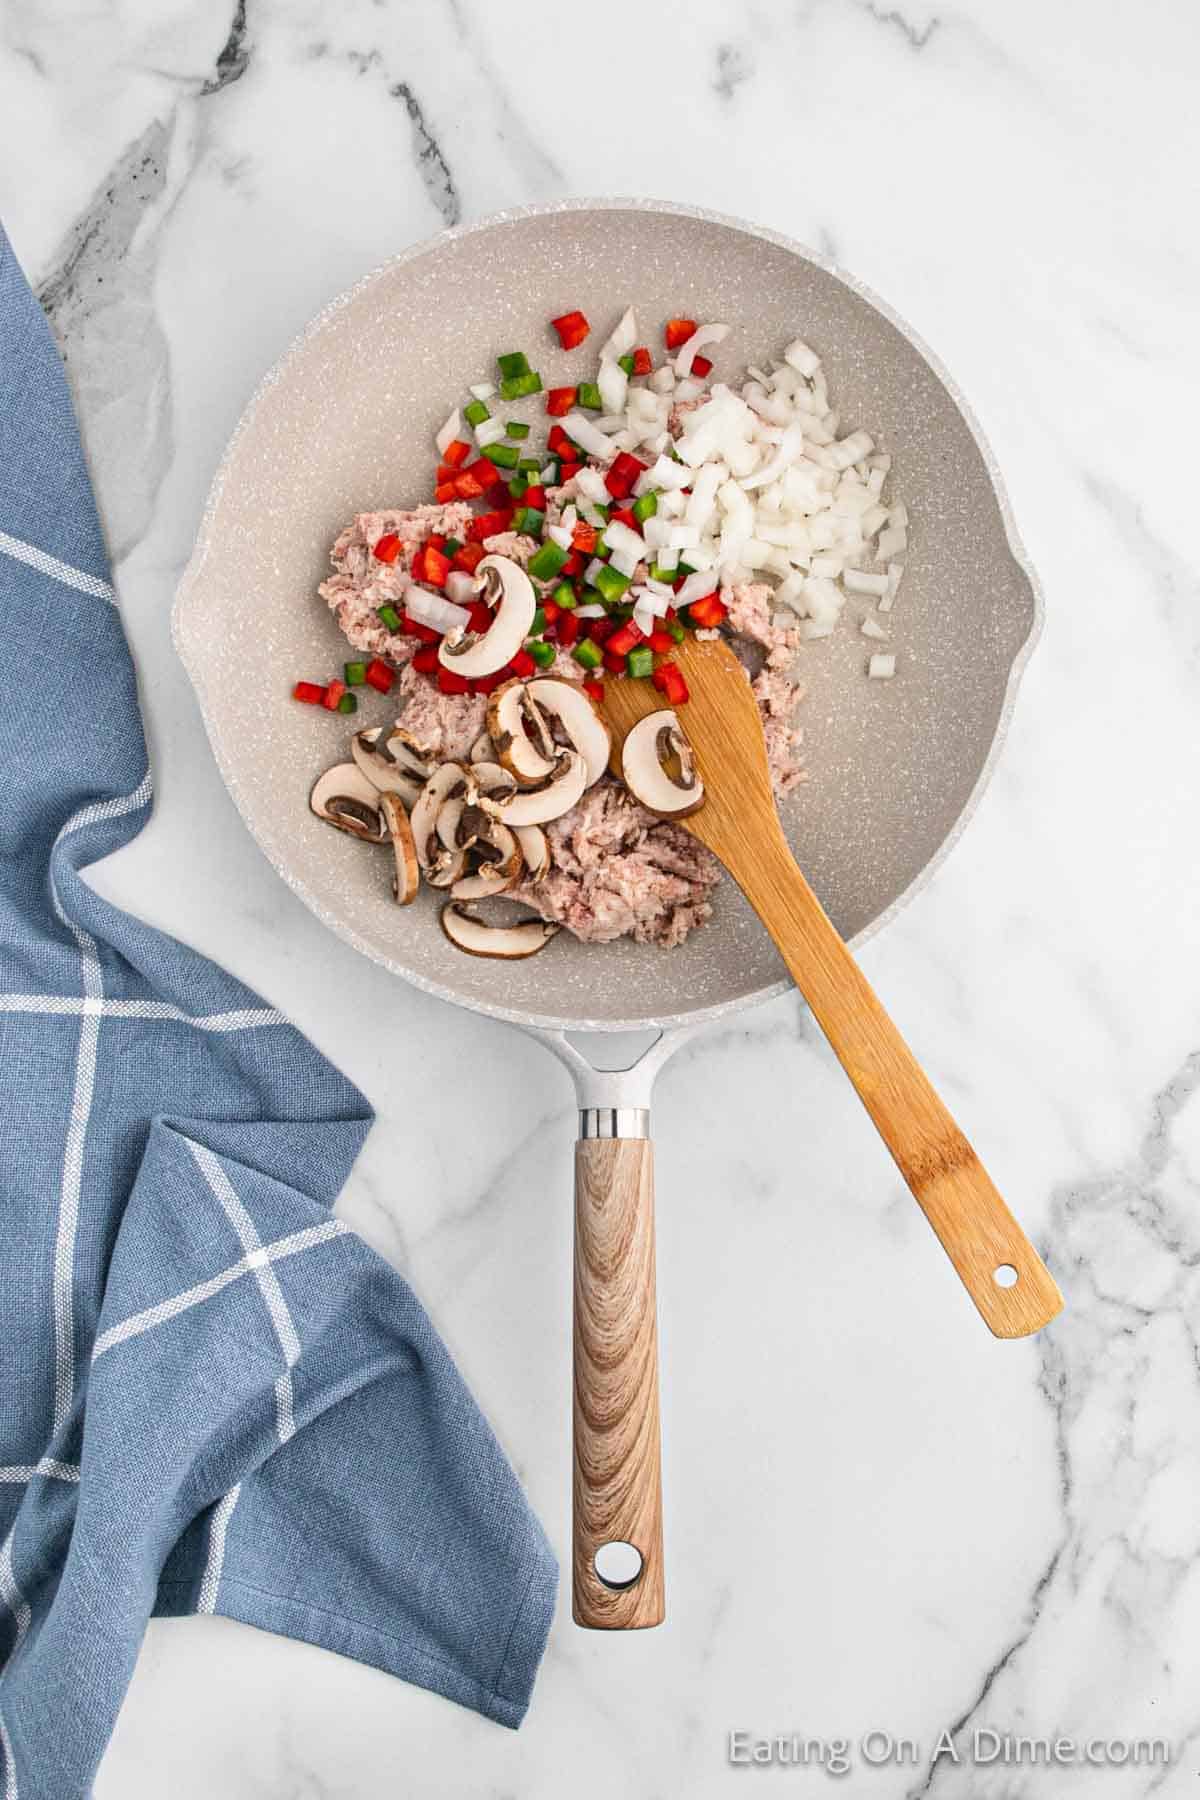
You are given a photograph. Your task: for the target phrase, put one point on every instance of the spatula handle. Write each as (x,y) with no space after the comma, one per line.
(617,1460)
(1001,1270)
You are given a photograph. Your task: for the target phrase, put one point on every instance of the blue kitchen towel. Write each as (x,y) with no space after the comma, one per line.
(214,1397)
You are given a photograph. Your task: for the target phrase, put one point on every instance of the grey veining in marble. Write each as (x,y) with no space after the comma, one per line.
(877,1517)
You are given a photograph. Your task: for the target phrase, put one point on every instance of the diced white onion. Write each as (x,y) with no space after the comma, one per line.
(432,610)
(859,581)
(624,335)
(592,570)
(625,561)
(449,432)
(894,573)
(482,390)
(620,537)
(590,483)
(798,356)
(584,433)
(613,384)
(881,668)
(696,586)
(592,611)
(460,587)
(489,431)
(702,336)
(786,452)
(560,535)
(548,474)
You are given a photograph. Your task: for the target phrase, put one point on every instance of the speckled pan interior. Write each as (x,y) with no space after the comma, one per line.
(345,423)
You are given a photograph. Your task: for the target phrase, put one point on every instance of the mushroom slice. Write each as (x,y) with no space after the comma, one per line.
(478,938)
(344,798)
(652,751)
(584,727)
(447,782)
(461,823)
(404,750)
(447,867)
(534,806)
(381,769)
(482,750)
(490,778)
(535,848)
(407,878)
(501,870)
(509,718)
(509,591)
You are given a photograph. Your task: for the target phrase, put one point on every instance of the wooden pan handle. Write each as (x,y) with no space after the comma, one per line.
(976,1229)
(617,1461)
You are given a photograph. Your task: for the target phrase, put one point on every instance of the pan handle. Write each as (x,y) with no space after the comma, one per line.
(617,1552)
(617,1546)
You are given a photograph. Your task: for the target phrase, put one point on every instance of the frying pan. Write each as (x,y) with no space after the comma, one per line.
(344,423)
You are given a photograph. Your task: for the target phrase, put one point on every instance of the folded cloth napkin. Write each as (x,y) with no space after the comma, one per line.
(214,1397)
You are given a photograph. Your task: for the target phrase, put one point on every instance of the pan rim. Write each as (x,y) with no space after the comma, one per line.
(186,605)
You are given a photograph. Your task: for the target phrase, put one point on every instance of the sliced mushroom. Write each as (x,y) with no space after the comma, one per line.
(447,782)
(478,938)
(482,750)
(535,848)
(490,778)
(534,806)
(407,878)
(446,868)
(509,718)
(500,870)
(654,748)
(344,798)
(381,769)
(584,728)
(509,591)
(461,822)
(404,750)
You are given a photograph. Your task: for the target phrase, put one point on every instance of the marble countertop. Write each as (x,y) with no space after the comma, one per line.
(878,1518)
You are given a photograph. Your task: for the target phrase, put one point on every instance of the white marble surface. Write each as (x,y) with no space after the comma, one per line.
(877,1517)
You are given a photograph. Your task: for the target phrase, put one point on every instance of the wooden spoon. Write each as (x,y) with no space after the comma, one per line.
(617,1484)
(739,823)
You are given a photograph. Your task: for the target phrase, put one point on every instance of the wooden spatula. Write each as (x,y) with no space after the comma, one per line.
(1002,1272)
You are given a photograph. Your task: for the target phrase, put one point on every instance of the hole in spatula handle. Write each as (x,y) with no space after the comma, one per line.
(1005,1276)
(619,1565)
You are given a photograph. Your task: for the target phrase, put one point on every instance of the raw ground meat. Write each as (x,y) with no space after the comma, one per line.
(616,870)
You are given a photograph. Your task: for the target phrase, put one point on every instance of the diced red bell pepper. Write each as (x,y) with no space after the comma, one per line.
(623,472)
(310,692)
(560,401)
(642,361)
(445,492)
(572,328)
(380,675)
(414,628)
(486,525)
(551,611)
(481,616)
(613,663)
(485,473)
(388,547)
(568,629)
(468,559)
(668,679)
(450,683)
(583,537)
(600,630)
(566,471)
(707,612)
(701,366)
(678,331)
(436,540)
(594,690)
(535,497)
(456,453)
(468,486)
(445,472)
(522,664)
(425,660)
(333,694)
(624,516)
(572,567)
(626,638)
(486,684)
(661,642)
(430,565)
(558,443)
